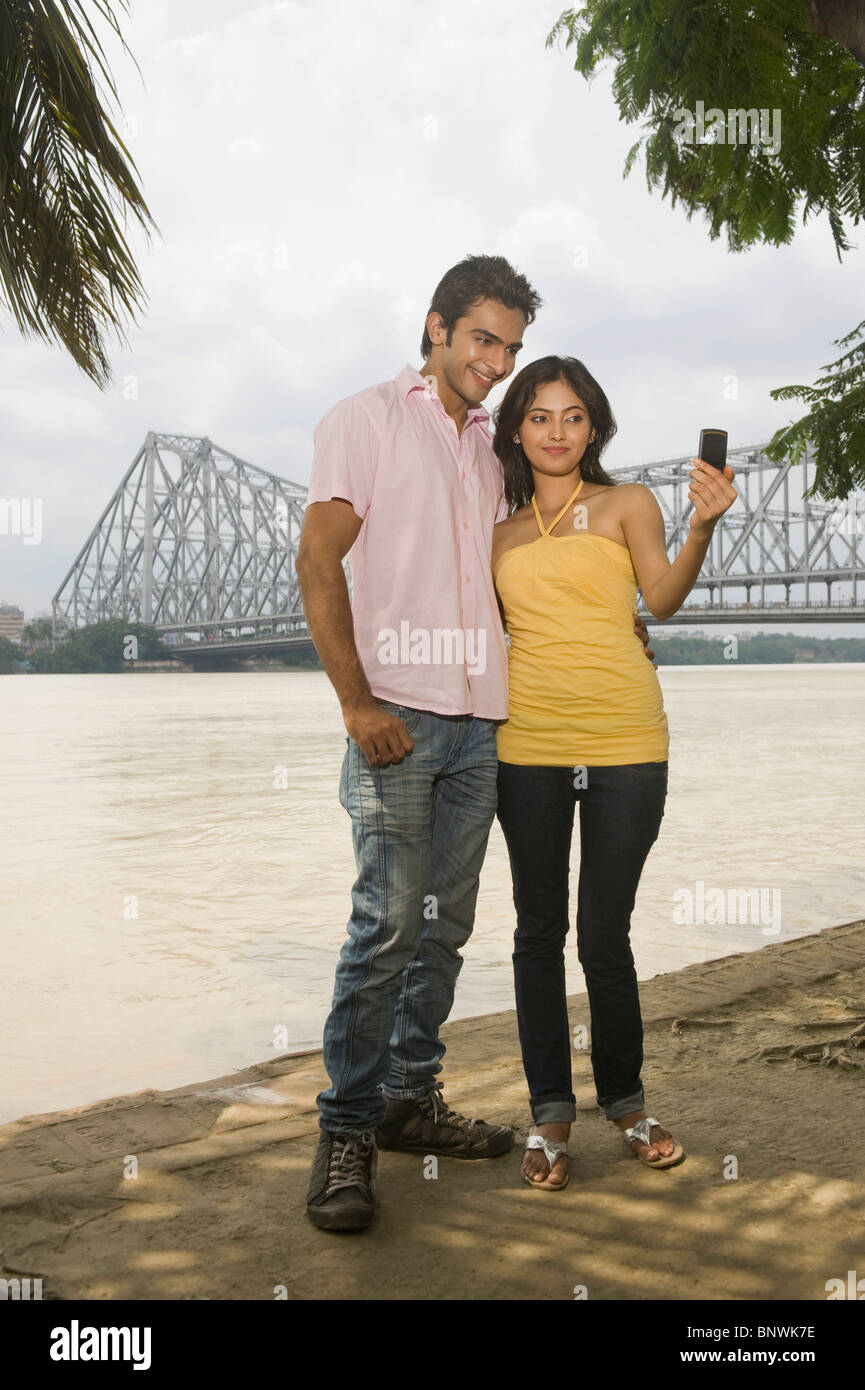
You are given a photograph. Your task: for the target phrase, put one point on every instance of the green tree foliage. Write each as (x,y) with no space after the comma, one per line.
(101,647)
(750,55)
(305,660)
(37,633)
(66,178)
(835,424)
(9,654)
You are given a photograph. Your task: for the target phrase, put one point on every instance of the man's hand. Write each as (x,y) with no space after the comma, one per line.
(643,633)
(383,737)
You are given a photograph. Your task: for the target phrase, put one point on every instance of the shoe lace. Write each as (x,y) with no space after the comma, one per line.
(441,1111)
(348,1161)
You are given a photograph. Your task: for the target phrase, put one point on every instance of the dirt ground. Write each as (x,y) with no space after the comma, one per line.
(769,1203)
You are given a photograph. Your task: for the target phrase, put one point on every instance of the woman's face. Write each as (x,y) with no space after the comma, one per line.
(556,429)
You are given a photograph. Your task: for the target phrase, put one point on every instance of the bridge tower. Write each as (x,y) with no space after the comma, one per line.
(193,539)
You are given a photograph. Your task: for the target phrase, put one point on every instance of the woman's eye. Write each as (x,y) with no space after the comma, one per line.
(542,419)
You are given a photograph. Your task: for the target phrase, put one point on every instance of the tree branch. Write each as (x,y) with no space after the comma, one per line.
(843,21)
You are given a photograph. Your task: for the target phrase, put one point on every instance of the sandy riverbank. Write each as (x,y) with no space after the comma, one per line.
(217,1208)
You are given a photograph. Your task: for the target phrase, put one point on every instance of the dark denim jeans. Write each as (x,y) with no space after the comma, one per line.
(420,831)
(621,809)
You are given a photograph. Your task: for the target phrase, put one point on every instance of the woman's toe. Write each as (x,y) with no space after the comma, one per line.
(664,1144)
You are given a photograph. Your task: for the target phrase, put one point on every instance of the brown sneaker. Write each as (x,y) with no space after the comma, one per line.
(341,1194)
(429,1126)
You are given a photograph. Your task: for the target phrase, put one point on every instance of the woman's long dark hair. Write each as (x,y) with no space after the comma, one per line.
(517,403)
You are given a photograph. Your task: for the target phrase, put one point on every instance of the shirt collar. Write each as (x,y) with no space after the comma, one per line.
(410,379)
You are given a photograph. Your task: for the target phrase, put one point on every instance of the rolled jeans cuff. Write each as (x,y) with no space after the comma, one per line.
(552,1112)
(408,1093)
(617,1108)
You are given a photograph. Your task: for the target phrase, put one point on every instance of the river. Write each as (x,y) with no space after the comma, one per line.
(177,867)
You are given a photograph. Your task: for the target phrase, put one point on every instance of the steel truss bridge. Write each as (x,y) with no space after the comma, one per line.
(195,542)
(202,546)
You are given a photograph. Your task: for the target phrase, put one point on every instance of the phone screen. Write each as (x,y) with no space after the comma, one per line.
(713,448)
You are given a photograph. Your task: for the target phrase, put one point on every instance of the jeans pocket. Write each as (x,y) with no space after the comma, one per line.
(410,717)
(343,776)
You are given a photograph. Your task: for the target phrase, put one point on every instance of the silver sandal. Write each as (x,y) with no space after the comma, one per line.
(642,1131)
(553,1149)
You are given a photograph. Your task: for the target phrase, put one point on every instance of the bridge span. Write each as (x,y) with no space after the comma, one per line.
(202,545)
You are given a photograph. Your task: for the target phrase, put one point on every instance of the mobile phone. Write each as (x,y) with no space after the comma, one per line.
(713,448)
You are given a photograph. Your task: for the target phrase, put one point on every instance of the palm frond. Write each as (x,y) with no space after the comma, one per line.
(67,182)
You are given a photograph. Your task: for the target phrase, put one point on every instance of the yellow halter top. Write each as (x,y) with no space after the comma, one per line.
(580,689)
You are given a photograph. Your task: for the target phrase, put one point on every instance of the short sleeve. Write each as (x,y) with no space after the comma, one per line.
(345,457)
(504,510)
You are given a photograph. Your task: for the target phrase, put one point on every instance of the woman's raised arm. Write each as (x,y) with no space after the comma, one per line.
(665,586)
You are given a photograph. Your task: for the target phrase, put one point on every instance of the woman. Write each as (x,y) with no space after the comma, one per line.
(586,724)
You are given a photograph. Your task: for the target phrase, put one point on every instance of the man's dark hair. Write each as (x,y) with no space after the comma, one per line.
(475,278)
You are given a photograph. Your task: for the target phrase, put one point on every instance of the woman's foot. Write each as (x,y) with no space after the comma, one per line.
(536,1165)
(662,1144)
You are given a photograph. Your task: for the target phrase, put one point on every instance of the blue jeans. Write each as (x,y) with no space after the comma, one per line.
(621,808)
(420,830)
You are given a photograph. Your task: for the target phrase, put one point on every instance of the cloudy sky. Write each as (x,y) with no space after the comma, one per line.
(313,169)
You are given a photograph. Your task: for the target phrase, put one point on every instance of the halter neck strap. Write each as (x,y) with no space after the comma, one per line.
(545,531)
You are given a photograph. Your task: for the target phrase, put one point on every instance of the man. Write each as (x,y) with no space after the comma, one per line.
(405,482)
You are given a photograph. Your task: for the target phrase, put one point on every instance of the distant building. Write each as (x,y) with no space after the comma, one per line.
(11,622)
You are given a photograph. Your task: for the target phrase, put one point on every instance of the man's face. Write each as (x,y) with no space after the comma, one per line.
(482,350)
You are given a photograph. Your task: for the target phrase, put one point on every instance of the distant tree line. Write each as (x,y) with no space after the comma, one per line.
(112,646)
(776,647)
(107,647)
(103,647)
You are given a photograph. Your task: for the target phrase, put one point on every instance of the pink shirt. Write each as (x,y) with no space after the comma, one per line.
(426,621)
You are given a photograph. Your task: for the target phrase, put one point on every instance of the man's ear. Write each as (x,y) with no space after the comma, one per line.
(436,328)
